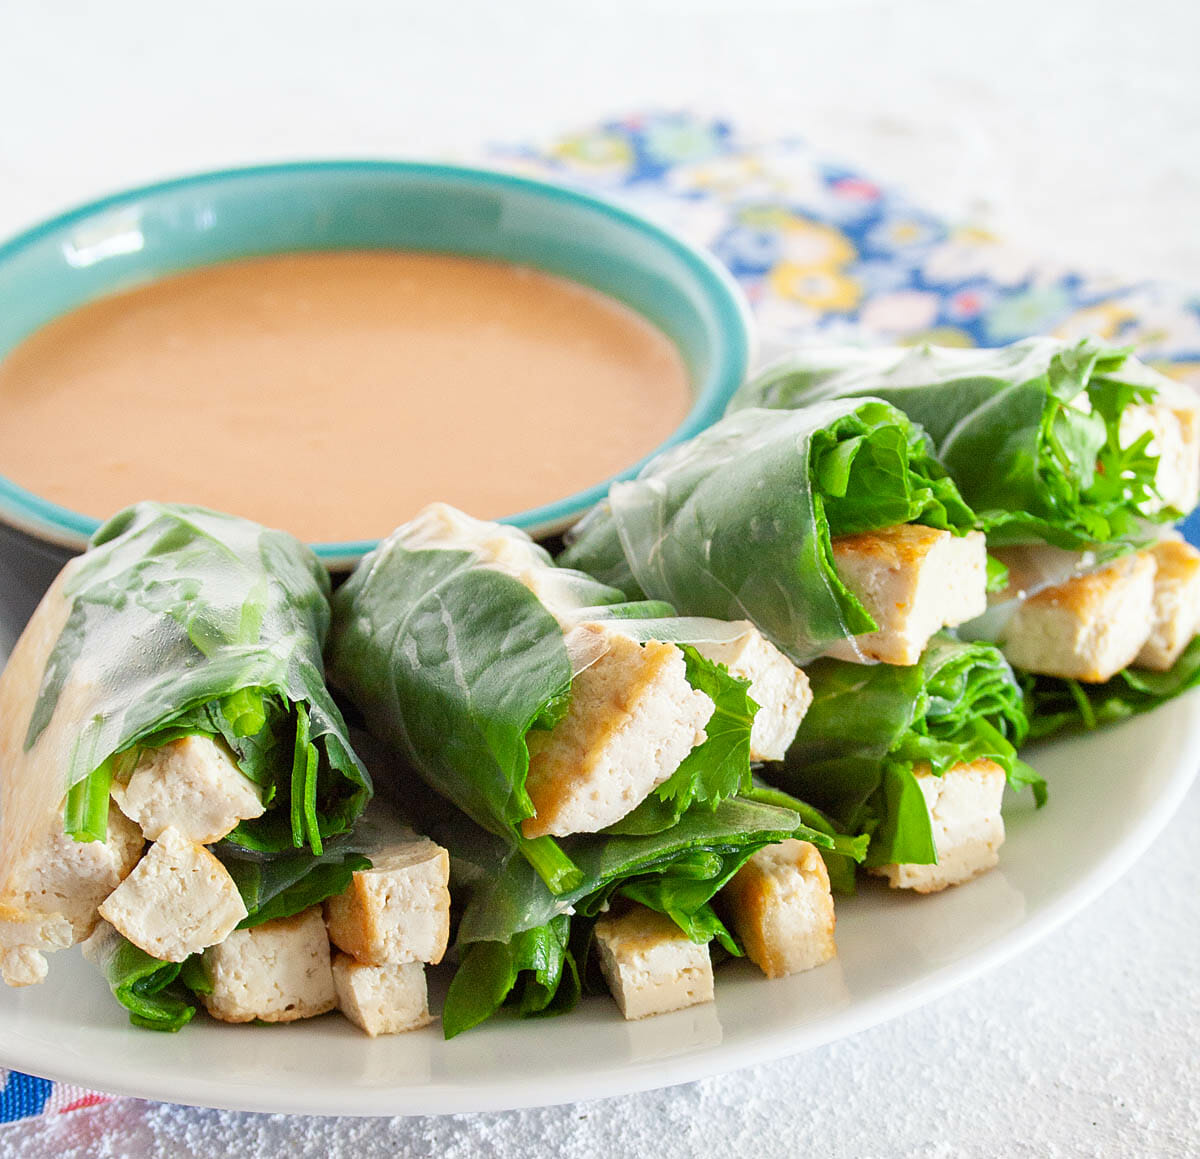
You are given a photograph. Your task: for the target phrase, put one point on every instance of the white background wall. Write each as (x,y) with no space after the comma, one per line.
(1072,126)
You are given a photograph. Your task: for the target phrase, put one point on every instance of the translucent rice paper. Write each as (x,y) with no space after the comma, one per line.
(172,608)
(725,526)
(455,635)
(1039,435)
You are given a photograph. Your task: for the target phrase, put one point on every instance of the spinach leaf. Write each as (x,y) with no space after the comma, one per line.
(185,621)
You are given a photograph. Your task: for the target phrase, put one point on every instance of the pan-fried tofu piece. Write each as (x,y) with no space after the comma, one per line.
(276,972)
(381,999)
(632,719)
(913,580)
(178,900)
(72,878)
(781,905)
(777,686)
(192,784)
(1174,424)
(1176,604)
(25,939)
(964,808)
(398,910)
(1088,628)
(650,964)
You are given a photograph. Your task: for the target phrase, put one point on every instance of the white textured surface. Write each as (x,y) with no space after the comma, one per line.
(1072,129)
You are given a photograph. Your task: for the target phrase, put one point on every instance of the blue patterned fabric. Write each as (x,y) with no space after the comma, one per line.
(23,1095)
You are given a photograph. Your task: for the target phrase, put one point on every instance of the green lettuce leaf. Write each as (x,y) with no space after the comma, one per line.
(871,726)
(715,769)
(452,663)
(1029,432)
(737,523)
(149,989)
(1055,705)
(186,622)
(534,971)
(845,852)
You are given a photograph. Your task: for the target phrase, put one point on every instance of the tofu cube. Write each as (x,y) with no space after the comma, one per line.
(913,580)
(632,719)
(650,964)
(781,905)
(1174,424)
(276,972)
(25,939)
(178,900)
(381,999)
(777,686)
(964,808)
(1176,614)
(72,878)
(398,910)
(1088,628)
(193,785)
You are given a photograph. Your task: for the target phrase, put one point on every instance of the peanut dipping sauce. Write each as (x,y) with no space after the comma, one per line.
(334,394)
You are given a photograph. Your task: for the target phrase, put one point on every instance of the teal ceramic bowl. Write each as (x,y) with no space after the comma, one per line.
(143,234)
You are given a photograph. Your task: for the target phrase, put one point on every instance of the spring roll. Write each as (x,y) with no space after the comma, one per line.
(832,529)
(592,752)
(164,719)
(1068,443)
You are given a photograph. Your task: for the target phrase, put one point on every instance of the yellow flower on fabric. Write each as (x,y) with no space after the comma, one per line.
(815,287)
(1185,372)
(1104,319)
(595,151)
(810,244)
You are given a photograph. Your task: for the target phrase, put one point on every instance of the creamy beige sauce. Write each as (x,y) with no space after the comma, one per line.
(335,394)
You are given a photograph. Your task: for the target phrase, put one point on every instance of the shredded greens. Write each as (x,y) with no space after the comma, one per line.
(738,522)
(1031,432)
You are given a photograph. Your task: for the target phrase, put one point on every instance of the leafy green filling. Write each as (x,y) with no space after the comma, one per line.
(739,523)
(1030,432)
(870,727)
(1056,705)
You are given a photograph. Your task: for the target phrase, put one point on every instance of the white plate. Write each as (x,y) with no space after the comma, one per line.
(1111,793)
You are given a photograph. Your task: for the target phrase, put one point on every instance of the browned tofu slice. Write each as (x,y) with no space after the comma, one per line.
(964,808)
(781,905)
(632,719)
(913,580)
(1088,628)
(1176,615)
(398,910)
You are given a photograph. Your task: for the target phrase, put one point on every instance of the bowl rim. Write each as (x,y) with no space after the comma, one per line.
(50,522)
